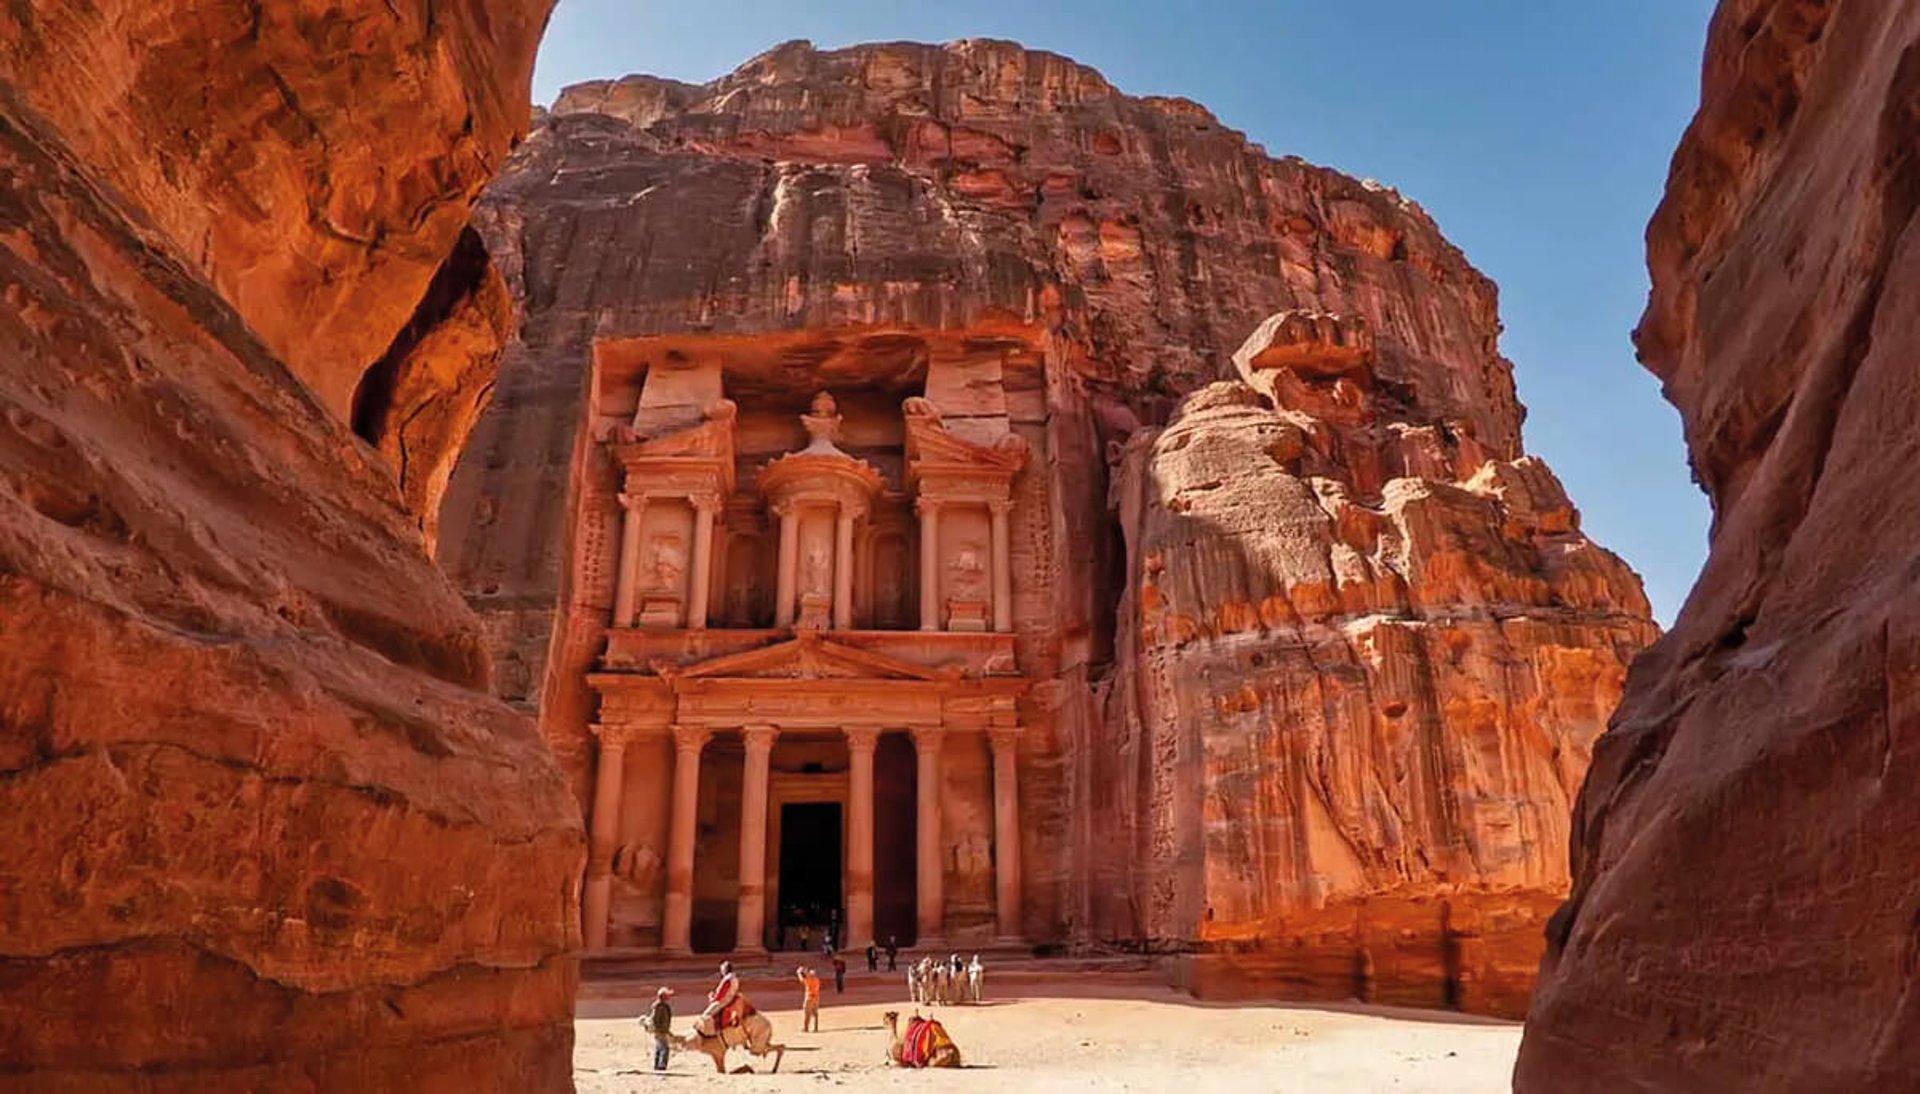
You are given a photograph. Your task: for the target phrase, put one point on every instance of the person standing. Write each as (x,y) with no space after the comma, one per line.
(873,958)
(893,951)
(806,937)
(660,1024)
(975,973)
(809,999)
(839,975)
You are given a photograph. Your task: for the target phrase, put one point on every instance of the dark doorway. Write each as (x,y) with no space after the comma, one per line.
(810,866)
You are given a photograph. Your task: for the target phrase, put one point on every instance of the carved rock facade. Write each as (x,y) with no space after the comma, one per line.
(1302,655)
(262,825)
(1744,908)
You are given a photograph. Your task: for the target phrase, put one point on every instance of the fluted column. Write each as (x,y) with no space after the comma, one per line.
(861,743)
(1002,568)
(704,508)
(676,935)
(932,860)
(843,569)
(626,588)
(752,921)
(783,607)
(603,832)
(929,511)
(1006,832)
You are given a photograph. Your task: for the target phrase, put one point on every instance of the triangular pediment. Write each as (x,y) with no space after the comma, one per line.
(809,657)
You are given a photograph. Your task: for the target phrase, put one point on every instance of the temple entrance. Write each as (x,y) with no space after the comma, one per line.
(810,870)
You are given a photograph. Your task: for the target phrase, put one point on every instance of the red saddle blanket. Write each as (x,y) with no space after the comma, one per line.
(924,1037)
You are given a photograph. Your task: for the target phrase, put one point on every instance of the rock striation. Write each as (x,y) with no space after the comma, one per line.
(1743,911)
(262,825)
(1317,653)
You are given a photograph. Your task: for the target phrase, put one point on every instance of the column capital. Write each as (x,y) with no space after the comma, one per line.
(927,736)
(861,738)
(631,500)
(1001,506)
(706,502)
(691,738)
(615,734)
(759,736)
(1004,737)
(924,505)
(782,508)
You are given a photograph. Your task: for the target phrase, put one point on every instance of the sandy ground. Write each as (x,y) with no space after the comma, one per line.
(1086,1033)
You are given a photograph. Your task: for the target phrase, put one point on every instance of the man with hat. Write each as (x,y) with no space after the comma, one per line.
(660,1022)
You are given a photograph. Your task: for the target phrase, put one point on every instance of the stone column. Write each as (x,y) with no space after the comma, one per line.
(1006,832)
(752,922)
(676,931)
(861,743)
(929,511)
(783,607)
(603,831)
(931,856)
(704,508)
(626,589)
(843,569)
(1002,568)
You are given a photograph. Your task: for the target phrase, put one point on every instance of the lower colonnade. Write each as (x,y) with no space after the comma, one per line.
(682,745)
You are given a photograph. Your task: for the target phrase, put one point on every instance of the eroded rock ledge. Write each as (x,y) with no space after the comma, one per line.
(261,823)
(1743,911)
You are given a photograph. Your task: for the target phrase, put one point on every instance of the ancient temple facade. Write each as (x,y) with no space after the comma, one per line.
(808,701)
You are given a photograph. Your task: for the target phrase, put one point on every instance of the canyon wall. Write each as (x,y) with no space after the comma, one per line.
(262,825)
(1744,907)
(1319,652)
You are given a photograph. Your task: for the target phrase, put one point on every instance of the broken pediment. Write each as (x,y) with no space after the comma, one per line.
(933,448)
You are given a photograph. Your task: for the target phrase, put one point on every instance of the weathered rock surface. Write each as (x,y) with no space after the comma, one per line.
(1363,648)
(1744,905)
(261,824)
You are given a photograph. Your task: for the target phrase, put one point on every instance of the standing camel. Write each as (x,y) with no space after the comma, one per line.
(925,1044)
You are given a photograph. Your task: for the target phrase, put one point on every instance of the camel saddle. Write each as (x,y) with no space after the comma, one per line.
(923,1038)
(731,1016)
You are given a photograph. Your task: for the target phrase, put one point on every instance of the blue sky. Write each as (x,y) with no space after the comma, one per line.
(1537,132)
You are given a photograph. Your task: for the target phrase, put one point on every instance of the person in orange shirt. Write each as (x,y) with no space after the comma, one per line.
(810,1002)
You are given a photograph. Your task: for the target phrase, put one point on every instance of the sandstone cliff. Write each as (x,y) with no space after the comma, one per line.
(1320,653)
(261,825)
(1743,913)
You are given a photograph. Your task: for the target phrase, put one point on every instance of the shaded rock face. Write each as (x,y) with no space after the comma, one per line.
(1744,904)
(261,823)
(1317,658)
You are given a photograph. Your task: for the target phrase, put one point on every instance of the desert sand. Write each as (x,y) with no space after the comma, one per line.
(1089,1032)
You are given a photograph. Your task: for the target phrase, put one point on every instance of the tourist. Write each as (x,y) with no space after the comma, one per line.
(956,979)
(721,1010)
(809,999)
(806,937)
(893,951)
(839,975)
(660,1024)
(975,973)
(873,958)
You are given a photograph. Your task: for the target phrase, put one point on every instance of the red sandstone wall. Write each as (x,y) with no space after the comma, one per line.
(261,825)
(1744,897)
(979,184)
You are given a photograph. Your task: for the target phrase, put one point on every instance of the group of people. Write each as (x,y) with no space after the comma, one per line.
(930,980)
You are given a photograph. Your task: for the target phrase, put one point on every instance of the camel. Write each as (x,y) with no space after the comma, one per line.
(754,1033)
(935,1047)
